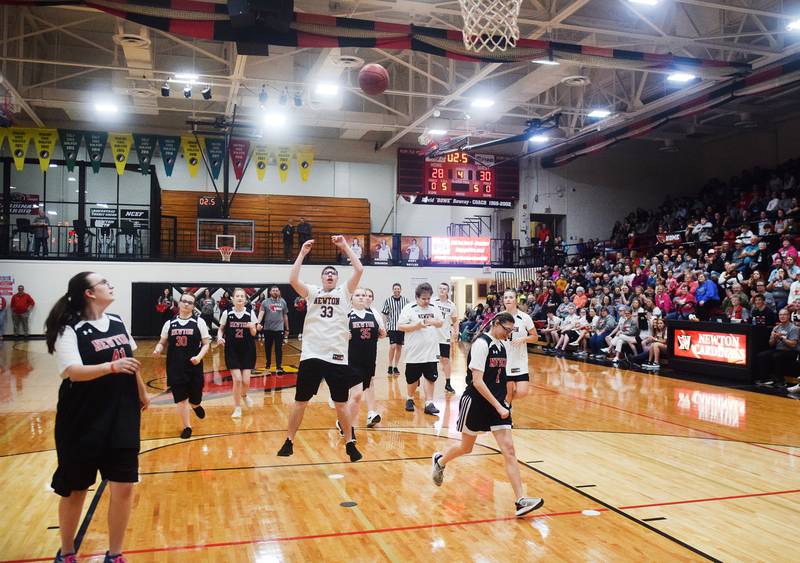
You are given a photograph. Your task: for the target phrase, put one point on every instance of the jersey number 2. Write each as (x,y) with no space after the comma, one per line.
(326,311)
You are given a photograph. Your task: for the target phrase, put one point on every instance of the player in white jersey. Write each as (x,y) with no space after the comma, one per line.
(448,334)
(325,342)
(524,333)
(421,322)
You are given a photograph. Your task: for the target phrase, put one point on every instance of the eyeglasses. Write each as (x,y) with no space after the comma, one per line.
(507,328)
(101,282)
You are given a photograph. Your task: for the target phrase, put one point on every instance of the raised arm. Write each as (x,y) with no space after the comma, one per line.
(358,267)
(294,275)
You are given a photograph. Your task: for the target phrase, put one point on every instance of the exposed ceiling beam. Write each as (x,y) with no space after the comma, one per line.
(20,100)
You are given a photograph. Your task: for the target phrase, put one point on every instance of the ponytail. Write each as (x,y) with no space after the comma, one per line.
(67,310)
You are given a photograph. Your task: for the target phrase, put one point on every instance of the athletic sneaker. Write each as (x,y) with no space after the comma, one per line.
(449,389)
(68,558)
(248,401)
(373,419)
(280,371)
(339,428)
(575,342)
(118,558)
(352,451)
(389,370)
(287,449)
(410,405)
(527,504)
(395,371)
(187,433)
(430,408)
(199,411)
(237,412)
(437,471)
(605,350)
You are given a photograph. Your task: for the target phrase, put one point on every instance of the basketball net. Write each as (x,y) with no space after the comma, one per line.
(490,25)
(225,252)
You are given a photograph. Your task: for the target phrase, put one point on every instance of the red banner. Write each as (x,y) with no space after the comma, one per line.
(239,149)
(712,346)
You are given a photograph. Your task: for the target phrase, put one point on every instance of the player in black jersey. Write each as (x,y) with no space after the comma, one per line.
(187,341)
(362,352)
(483,408)
(99,408)
(373,417)
(237,331)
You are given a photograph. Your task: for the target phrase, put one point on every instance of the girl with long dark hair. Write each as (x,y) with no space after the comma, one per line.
(99,408)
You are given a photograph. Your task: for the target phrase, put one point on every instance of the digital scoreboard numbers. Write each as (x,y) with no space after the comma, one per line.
(458,174)
(209,207)
(457,179)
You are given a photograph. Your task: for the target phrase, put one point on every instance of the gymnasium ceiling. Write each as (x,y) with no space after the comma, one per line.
(57,62)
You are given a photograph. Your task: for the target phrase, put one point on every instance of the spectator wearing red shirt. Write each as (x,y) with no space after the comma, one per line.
(21,305)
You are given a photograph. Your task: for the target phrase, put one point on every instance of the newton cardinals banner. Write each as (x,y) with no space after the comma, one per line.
(169,152)
(215,153)
(284,159)
(191,152)
(18,140)
(96,147)
(3,135)
(145,147)
(45,141)
(120,148)
(70,145)
(239,150)
(261,156)
(305,158)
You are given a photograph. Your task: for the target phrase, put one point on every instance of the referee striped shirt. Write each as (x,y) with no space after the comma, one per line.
(392,308)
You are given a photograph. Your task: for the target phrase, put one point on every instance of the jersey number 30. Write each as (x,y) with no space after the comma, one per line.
(326,311)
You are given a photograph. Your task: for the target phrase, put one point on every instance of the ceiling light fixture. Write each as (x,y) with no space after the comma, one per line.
(794,25)
(165,90)
(187,77)
(599,113)
(327,89)
(263,96)
(681,77)
(206,93)
(274,120)
(482,103)
(106,108)
(187,92)
(539,138)
(298,100)
(284,97)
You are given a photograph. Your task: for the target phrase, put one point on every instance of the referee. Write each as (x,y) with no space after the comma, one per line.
(391,311)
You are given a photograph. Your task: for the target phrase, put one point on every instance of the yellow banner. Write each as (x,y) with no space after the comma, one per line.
(284,159)
(121,144)
(192,154)
(305,159)
(18,140)
(3,135)
(45,141)
(261,156)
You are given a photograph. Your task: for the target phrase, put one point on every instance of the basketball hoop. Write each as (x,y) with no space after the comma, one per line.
(225,252)
(490,25)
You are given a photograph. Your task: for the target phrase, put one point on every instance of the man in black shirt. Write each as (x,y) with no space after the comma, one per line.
(288,239)
(760,314)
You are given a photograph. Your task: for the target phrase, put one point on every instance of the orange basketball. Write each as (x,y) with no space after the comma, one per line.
(373,79)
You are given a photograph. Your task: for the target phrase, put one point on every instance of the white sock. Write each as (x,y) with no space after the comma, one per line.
(410,398)
(428,403)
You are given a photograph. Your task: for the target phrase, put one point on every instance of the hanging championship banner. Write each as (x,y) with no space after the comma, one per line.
(215,153)
(3,135)
(284,158)
(239,150)
(70,145)
(18,140)
(145,146)
(192,154)
(96,147)
(45,141)
(305,158)
(120,148)
(169,152)
(261,156)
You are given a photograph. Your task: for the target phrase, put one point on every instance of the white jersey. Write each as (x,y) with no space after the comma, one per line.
(413,252)
(421,346)
(517,362)
(326,329)
(449,312)
(384,253)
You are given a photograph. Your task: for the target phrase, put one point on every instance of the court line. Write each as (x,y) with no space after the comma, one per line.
(710,433)
(413,527)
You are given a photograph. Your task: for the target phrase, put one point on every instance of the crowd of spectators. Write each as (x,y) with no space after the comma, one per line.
(728,254)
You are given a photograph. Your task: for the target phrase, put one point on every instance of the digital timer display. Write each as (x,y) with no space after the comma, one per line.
(209,207)
(458,174)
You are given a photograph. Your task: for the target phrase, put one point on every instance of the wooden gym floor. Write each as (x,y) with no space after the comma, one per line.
(632,467)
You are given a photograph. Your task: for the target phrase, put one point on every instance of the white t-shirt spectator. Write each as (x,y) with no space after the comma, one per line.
(745,237)
(794,292)
(421,346)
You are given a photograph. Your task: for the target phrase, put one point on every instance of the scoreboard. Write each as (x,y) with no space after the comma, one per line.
(457,179)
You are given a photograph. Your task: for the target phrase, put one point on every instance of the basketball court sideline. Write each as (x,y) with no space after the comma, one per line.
(614,453)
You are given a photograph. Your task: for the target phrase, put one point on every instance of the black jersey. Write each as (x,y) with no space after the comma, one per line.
(184,342)
(103,413)
(494,369)
(363,346)
(237,333)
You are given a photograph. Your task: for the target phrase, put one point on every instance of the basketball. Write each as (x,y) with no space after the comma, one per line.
(373,79)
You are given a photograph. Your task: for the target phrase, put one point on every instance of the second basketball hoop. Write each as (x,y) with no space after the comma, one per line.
(490,25)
